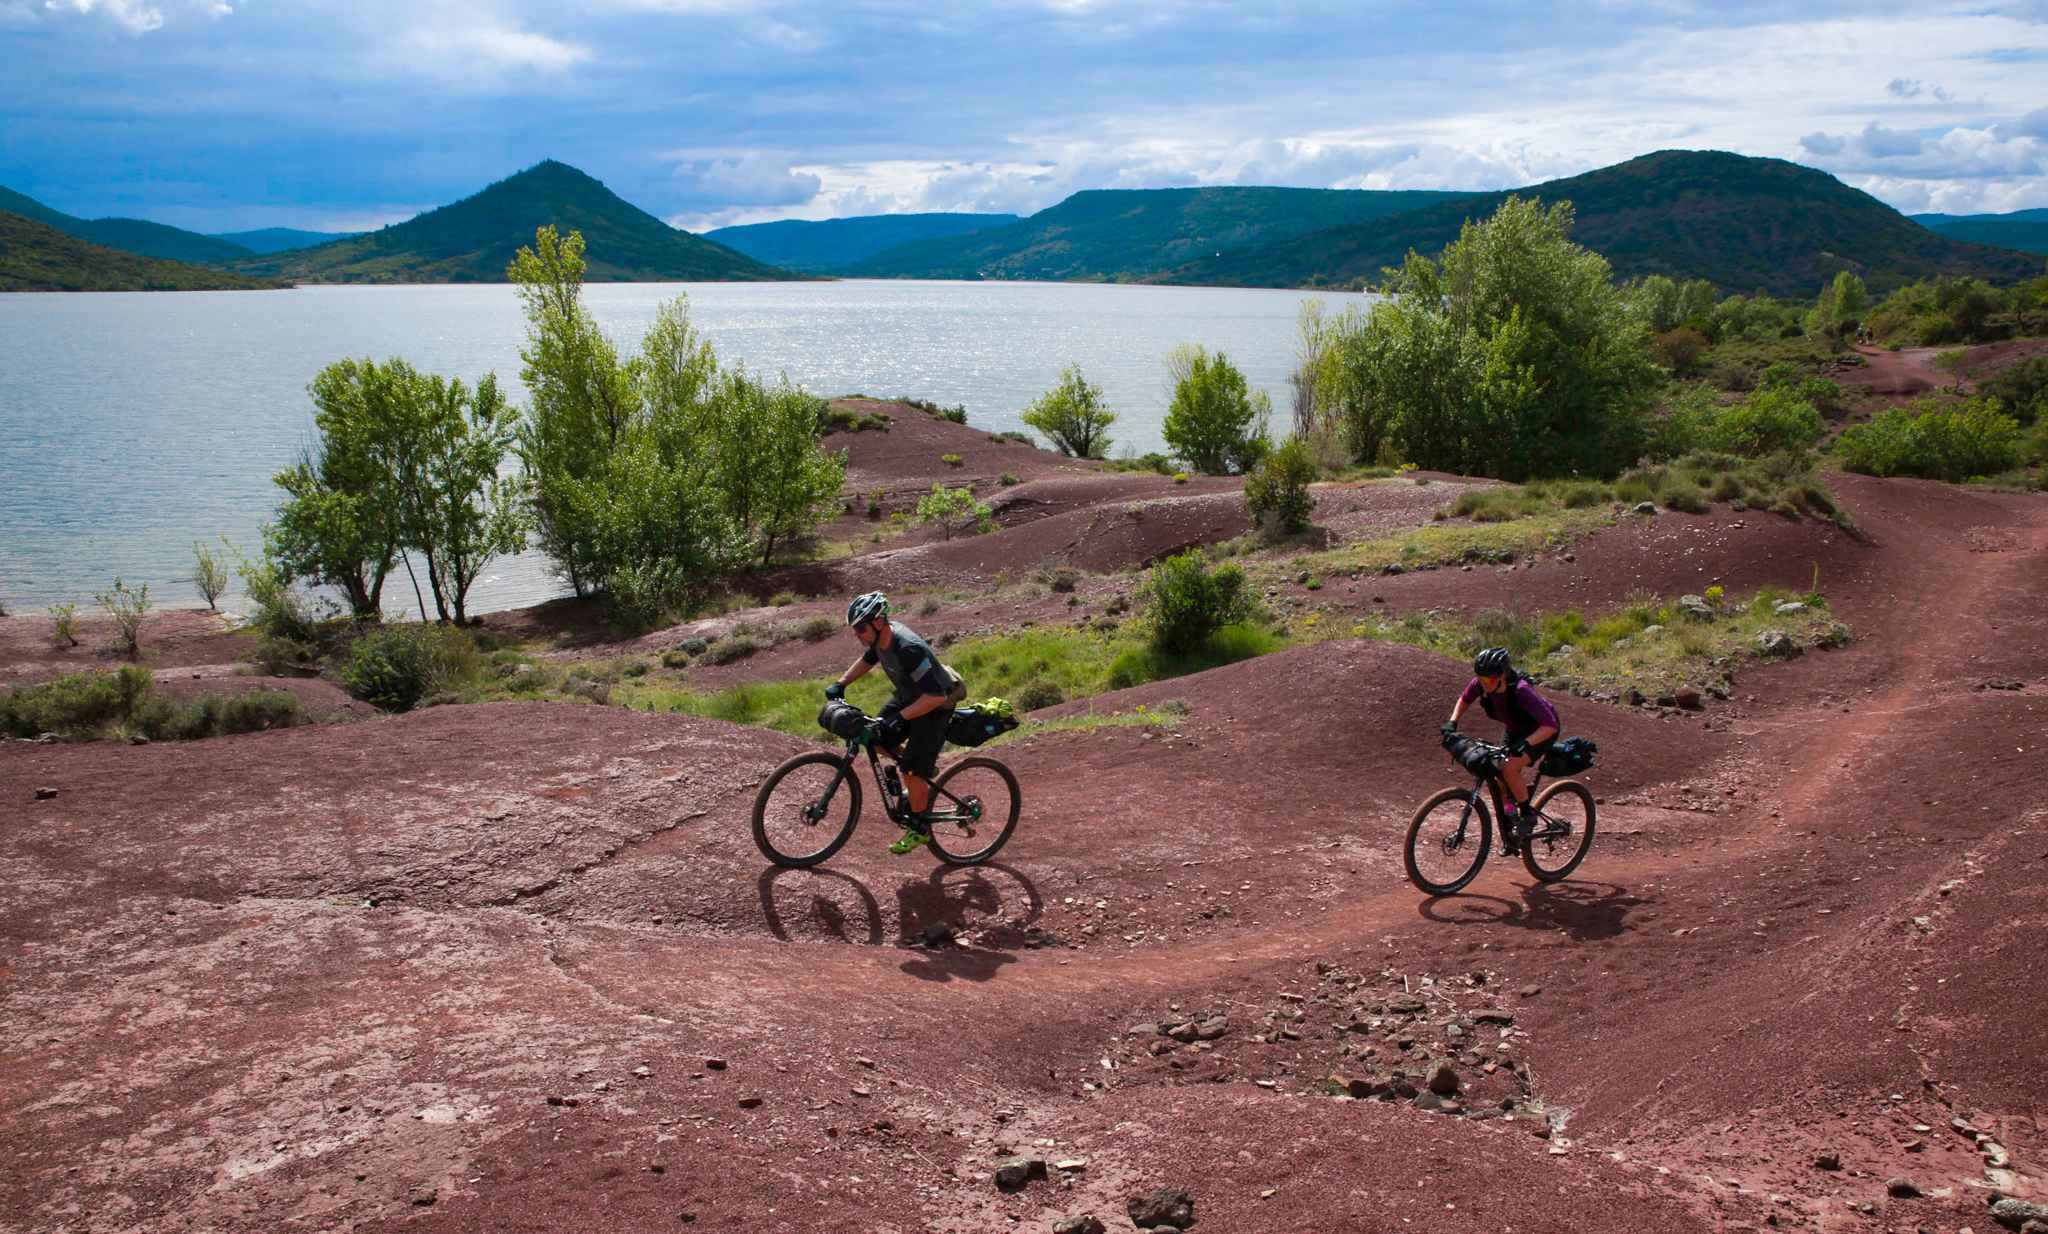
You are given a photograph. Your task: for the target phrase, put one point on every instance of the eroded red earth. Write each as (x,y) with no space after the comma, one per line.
(520,966)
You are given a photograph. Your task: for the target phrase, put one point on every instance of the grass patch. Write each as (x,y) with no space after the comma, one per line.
(1166,715)
(124,704)
(1648,647)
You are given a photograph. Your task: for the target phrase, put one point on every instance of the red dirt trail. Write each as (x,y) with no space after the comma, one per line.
(520,967)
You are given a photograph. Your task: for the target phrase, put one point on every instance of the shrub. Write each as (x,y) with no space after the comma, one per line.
(1072,416)
(81,704)
(1007,479)
(1949,443)
(675,657)
(209,574)
(1276,496)
(737,645)
(951,509)
(1022,439)
(395,667)
(278,657)
(1215,420)
(127,608)
(213,715)
(1062,579)
(2022,389)
(1153,462)
(1679,350)
(817,628)
(278,611)
(952,460)
(1038,693)
(64,624)
(1180,477)
(956,414)
(1190,602)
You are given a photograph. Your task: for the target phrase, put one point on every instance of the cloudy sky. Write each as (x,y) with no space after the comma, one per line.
(226,114)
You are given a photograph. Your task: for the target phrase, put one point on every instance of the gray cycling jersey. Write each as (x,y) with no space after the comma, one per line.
(911,666)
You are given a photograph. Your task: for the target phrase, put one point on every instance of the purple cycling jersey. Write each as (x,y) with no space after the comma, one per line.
(1518,707)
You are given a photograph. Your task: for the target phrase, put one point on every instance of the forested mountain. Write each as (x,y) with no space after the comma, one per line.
(1742,223)
(133,235)
(35,256)
(830,245)
(2026,230)
(1139,233)
(472,240)
(281,239)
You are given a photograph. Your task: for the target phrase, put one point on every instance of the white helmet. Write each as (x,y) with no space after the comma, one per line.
(866,608)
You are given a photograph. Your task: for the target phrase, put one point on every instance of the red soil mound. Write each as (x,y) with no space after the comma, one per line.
(171,638)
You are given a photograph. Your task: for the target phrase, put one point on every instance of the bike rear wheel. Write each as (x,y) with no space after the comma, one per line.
(1563,832)
(975,803)
(1447,842)
(807,809)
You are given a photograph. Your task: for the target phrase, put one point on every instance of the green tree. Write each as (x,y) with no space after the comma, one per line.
(209,573)
(1191,602)
(1072,416)
(765,467)
(1215,421)
(460,510)
(1839,308)
(342,523)
(949,507)
(1512,356)
(1953,362)
(583,403)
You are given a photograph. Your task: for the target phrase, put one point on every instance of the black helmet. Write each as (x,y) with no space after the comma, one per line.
(866,608)
(1492,662)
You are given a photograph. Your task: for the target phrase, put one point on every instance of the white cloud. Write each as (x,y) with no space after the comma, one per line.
(133,16)
(494,44)
(754,178)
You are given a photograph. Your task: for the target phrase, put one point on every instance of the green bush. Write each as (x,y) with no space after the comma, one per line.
(2021,388)
(1225,645)
(817,628)
(1190,602)
(1038,693)
(1937,442)
(81,704)
(127,606)
(952,460)
(277,609)
(1276,496)
(209,573)
(953,509)
(64,624)
(396,667)
(1152,462)
(215,715)
(737,645)
(1680,350)
(1008,478)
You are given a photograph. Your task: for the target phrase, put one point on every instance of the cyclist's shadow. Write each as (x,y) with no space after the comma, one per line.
(1584,910)
(941,899)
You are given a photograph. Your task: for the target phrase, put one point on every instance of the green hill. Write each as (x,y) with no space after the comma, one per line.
(474,239)
(2025,230)
(1741,223)
(1138,233)
(35,256)
(282,239)
(833,244)
(133,235)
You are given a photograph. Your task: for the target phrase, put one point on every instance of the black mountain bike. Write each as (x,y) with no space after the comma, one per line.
(807,809)
(1450,836)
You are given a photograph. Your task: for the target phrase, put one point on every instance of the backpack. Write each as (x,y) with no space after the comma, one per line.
(956,686)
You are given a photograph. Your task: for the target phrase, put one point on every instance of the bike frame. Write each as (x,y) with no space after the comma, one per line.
(895,805)
(1493,785)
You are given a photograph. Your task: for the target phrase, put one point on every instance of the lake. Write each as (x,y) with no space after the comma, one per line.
(132,424)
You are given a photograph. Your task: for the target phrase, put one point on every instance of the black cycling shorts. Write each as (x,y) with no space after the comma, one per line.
(922,740)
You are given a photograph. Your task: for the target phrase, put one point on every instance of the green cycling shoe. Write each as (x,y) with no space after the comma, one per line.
(913,837)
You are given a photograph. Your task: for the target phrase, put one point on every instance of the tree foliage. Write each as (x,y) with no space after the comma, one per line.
(1072,416)
(1190,602)
(1512,356)
(1276,496)
(1215,421)
(951,509)
(1937,441)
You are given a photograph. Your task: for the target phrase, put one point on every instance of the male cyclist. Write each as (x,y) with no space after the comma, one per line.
(1531,722)
(915,719)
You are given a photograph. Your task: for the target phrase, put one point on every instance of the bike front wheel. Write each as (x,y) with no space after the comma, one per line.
(1563,832)
(975,803)
(1447,842)
(806,810)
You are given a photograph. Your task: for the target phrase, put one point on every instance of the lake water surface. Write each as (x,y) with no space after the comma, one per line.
(134,424)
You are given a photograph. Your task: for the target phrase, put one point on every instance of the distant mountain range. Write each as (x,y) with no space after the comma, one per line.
(280,239)
(1742,223)
(1139,234)
(829,245)
(35,256)
(131,235)
(473,240)
(2026,230)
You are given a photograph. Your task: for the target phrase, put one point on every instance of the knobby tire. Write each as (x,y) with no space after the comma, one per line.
(845,796)
(1544,866)
(1478,838)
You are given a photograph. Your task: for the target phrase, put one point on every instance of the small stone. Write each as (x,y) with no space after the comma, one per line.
(938,934)
(1211,1029)
(1443,1080)
(1183,1032)
(643,1072)
(1071,1164)
(1012,1173)
(1499,1018)
(2017,1214)
(1776,644)
(1164,1206)
(1426,1100)
(1531,991)
(714,1064)
(1901,1188)
(1687,698)
(1789,608)
(1084,1224)
(750,1103)
(424,1195)
(1828,1161)
(1646,507)
(45,793)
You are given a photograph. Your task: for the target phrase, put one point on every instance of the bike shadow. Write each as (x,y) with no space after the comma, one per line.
(1586,911)
(842,907)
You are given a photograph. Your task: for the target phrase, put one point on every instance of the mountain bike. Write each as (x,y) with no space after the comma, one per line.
(1450,836)
(808,807)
